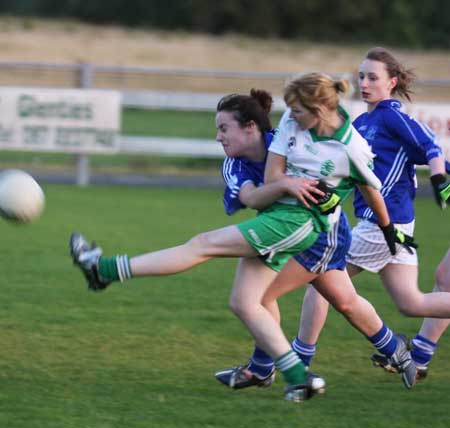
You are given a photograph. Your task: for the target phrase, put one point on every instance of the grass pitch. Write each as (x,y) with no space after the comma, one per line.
(143,354)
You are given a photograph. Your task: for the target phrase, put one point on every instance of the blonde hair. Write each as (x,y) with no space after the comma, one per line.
(314,90)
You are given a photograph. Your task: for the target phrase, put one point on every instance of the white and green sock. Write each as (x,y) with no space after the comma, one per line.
(116,268)
(292,368)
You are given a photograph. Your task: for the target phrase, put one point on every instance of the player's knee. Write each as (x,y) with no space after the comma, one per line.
(443,277)
(200,243)
(268,302)
(240,308)
(345,307)
(410,307)
(404,310)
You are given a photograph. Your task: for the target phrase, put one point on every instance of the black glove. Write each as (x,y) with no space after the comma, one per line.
(441,189)
(327,203)
(394,236)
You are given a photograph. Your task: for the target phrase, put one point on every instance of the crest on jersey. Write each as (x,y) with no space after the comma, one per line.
(371,132)
(396,104)
(292,142)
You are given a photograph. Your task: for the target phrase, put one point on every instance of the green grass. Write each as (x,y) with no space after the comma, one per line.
(143,354)
(168,123)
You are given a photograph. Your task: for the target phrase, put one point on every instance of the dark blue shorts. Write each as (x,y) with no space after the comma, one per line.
(330,249)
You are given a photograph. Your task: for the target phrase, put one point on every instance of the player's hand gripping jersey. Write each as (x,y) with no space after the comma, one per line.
(324,255)
(341,161)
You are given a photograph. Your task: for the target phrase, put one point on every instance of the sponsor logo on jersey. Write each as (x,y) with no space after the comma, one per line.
(311,149)
(327,167)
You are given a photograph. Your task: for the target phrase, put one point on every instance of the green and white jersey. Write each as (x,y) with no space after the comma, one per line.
(341,160)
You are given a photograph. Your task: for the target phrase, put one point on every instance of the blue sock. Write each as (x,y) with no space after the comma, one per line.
(423,350)
(261,363)
(304,351)
(384,341)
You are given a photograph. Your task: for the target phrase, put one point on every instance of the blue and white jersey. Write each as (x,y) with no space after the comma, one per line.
(239,171)
(399,143)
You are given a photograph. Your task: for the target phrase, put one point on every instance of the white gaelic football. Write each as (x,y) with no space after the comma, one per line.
(21,198)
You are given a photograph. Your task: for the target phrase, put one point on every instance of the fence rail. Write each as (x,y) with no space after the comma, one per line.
(188,147)
(182,89)
(133,78)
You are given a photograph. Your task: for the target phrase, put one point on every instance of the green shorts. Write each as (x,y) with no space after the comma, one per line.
(280,232)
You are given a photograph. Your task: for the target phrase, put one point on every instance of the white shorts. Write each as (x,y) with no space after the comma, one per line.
(369,249)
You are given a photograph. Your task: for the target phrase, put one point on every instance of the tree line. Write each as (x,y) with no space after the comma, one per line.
(408,23)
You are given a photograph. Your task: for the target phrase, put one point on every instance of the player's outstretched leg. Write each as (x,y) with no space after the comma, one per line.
(86,257)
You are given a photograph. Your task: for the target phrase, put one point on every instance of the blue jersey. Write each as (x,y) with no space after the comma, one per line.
(399,143)
(239,171)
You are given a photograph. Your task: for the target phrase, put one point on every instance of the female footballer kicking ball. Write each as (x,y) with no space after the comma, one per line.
(331,152)
(244,129)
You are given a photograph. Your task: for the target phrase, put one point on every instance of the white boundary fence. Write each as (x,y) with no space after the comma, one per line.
(162,146)
(436,115)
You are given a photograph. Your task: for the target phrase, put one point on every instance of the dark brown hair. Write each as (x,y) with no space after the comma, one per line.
(404,76)
(255,107)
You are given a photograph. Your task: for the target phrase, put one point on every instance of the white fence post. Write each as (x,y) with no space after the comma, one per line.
(83,172)
(85,76)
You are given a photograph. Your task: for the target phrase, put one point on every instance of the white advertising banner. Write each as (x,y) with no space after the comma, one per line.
(59,120)
(435,115)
